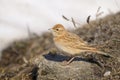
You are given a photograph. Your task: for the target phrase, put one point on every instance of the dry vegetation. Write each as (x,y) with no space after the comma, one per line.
(103,33)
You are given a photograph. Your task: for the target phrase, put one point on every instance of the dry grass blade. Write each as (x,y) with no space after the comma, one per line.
(98,10)
(88,19)
(25,60)
(29,32)
(98,13)
(73,22)
(65,18)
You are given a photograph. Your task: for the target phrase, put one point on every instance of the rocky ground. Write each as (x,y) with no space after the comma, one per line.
(37,58)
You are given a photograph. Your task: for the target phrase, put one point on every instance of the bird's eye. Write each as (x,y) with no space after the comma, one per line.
(57,29)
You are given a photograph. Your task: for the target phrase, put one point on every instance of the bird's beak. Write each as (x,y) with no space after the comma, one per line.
(50,29)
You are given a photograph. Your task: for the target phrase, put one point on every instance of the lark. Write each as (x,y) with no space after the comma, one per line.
(70,43)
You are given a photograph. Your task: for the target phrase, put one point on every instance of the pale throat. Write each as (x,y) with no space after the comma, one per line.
(59,34)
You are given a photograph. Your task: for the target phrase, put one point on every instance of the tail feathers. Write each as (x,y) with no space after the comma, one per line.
(97,51)
(104,54)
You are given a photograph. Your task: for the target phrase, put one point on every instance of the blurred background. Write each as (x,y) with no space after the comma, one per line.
(16,16)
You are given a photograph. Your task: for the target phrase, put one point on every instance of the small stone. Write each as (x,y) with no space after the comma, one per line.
(107,73)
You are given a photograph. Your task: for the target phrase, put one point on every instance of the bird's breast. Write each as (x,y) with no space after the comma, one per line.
(66,48)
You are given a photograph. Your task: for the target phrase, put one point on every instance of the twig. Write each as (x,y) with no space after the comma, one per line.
(73,22)
(98,10)
(65,18)
(29,32)
(98,13)
(88,19)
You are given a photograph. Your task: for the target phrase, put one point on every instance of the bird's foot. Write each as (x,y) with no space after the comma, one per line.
(68,62)
(65,63)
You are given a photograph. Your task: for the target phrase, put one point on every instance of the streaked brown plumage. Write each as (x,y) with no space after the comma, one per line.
(71,43)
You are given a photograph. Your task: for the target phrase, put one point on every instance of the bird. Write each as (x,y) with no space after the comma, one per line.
(70,43)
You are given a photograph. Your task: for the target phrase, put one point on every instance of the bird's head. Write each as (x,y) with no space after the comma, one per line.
(58,30)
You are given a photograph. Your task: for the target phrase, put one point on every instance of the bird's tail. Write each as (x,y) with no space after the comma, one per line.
(104,54)
(99,52)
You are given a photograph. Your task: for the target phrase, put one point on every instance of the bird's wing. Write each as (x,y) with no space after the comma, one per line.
(75,37)
(75,40)
(78,43)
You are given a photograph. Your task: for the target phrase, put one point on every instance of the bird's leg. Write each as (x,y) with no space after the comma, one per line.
(68,62)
